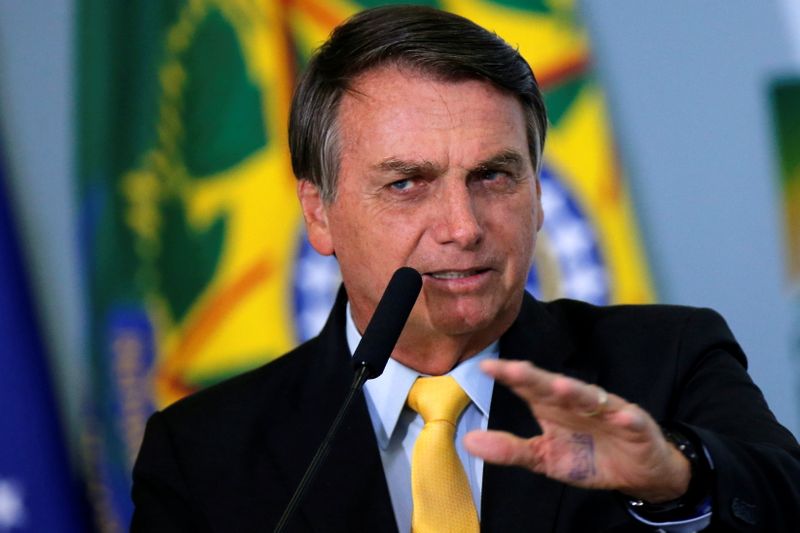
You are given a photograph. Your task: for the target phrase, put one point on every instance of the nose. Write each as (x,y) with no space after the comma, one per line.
(457,218)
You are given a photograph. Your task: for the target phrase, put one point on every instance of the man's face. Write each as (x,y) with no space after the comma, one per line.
(437,176)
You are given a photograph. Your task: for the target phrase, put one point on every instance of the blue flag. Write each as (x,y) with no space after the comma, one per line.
(37,489)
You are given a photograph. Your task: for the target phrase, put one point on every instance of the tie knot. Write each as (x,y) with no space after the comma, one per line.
(437,398)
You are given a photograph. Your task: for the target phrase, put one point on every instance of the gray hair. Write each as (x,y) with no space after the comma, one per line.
(444,45)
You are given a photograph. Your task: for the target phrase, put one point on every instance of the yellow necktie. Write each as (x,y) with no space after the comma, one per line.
(439,488)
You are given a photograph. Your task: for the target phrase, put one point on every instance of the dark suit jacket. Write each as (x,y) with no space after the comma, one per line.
(230,457)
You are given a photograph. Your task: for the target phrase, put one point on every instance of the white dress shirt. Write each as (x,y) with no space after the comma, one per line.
(397,427)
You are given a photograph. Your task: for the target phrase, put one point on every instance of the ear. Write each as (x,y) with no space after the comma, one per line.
(316,217)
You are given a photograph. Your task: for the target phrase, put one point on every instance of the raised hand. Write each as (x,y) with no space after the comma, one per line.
(590,438)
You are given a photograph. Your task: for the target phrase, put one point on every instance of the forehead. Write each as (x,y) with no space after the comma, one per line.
(397,111)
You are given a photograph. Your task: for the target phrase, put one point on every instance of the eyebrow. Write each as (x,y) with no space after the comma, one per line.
(506,159)
(409,168)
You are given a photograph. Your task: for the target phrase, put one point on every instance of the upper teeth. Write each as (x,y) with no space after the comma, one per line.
(452,275)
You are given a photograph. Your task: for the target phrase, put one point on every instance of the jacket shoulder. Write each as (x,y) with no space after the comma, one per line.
(644,313)
(646,322)
(246,392)
(642,331)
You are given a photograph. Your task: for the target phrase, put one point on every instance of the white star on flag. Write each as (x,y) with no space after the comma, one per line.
(12,509)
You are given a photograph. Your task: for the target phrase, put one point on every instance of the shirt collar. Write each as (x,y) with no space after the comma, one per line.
(387,393)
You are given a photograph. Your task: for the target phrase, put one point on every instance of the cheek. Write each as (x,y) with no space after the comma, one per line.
(373,240)
(397,232)
(518,228)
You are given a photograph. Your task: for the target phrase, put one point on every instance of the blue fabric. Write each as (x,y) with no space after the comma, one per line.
(37,489)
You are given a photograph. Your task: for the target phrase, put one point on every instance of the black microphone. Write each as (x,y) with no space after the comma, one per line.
(369,360)
(387,322)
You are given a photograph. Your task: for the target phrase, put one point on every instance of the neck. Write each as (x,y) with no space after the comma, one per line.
(429,349)
(437,354)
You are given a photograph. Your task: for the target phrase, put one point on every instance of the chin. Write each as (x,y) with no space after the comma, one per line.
(464,315)
(462,324)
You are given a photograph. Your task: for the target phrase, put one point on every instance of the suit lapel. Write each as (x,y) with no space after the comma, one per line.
(514,499)
(350,492)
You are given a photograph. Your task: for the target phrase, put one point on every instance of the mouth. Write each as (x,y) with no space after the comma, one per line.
(446,275)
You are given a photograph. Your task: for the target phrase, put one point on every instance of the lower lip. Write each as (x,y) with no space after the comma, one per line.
(465,284)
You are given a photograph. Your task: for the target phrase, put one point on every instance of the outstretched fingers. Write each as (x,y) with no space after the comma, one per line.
(590,437)
(554,395)
(540,387)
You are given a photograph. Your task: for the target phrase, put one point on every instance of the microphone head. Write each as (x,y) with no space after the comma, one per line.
(388,321)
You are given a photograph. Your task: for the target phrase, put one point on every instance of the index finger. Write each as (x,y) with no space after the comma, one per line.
(539,386)
(523,377)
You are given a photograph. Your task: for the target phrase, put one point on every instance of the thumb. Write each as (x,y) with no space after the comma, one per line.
(500,447)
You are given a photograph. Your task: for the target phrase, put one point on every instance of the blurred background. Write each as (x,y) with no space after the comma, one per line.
(150,244)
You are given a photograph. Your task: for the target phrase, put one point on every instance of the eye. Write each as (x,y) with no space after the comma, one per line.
(402,185)
(495,176)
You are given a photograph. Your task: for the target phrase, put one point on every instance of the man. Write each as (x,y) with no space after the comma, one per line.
(416,137)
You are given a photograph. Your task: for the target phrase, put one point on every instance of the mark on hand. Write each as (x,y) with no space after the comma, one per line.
(583,453)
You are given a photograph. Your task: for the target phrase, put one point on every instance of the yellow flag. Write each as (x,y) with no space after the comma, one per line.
(270,290)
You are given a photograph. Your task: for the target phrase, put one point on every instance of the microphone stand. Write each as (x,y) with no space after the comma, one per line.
(362,374)
(369,360)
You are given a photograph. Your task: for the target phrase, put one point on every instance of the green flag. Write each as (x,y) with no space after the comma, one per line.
(183,175)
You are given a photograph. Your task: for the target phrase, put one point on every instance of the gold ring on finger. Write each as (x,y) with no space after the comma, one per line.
(602,402)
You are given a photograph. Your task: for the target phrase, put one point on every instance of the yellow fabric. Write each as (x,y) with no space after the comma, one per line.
(439,487)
